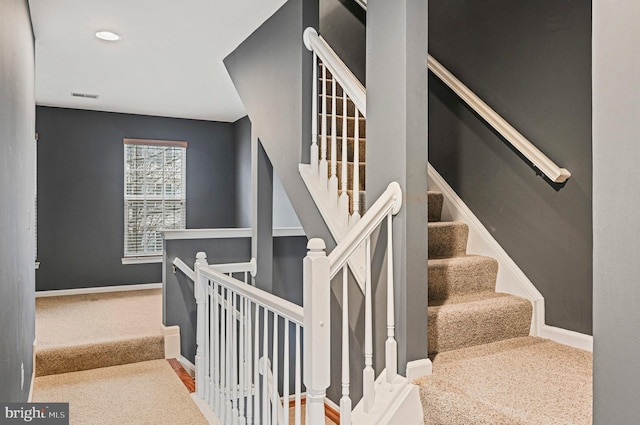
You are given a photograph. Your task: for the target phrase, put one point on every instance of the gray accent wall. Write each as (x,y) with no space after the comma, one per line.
(242,129)
(531,62)
(17,142)
(616,200)
(81,195)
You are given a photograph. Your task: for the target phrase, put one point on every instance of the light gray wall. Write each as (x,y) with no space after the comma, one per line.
(616,200)
(531,62)
(17,135)
(271,71)
(81,191)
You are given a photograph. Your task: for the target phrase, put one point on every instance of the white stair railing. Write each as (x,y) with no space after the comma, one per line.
(338,113)
(319,269)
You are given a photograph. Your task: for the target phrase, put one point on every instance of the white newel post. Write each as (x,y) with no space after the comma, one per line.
(316,303)
(200,292)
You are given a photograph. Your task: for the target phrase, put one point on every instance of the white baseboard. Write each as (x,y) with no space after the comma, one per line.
(567,337)
(98,290)
(171,342)
(418,368)
(188,366)
(511,279)
(205,410)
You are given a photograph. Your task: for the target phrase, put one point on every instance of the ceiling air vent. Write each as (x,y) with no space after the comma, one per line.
(85,95)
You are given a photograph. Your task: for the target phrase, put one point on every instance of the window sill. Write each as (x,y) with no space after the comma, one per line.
(142,260)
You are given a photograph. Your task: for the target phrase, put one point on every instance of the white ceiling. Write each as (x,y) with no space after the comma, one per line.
(168,62)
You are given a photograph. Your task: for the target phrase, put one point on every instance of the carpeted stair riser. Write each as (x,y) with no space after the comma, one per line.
(434,207)
(351,107)
(457,276)
(52,361)
(362,148)
(447,239)
(361,176)
(461,322)
(362,126)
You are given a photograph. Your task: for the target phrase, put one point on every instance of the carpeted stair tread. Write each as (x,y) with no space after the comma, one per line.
(447,239)
(464,321)
(463,275)
(80,332)
(339,104)
(434,206)
(524,380)
(362,148)
(73,358)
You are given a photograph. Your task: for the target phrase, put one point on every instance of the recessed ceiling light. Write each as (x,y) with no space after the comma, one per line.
(107,36)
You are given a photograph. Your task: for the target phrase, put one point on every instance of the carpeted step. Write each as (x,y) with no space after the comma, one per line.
(447,239)
(457,276)
(350,167)
(465,321)
(351,107)
(434,207)
(520,381)
(73,358)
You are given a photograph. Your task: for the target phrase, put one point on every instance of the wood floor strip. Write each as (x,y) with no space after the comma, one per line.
(184,376)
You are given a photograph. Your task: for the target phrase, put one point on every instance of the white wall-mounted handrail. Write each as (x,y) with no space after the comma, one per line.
(389,202)
(181,265)
(521,143)
(284,308)
(249,266)
(351,85)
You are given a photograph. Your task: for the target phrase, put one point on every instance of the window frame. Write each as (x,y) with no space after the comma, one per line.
(141,257)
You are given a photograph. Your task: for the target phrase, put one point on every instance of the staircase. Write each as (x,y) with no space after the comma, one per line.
(464,308)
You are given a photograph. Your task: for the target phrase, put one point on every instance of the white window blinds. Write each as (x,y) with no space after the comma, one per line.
(154,193)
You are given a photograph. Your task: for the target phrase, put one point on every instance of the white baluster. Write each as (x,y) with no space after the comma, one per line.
(343,203)
(298,380)
(263,365)
(355,217)
(200,293)
(207,344)
(333,181)
(243,359)
(285,370)
(324,170)
(345,401)
(368,374)
(313,157)
(223,354)
(391,346)
(216,348)
(274,385)
(317,324)
(256,367)
(228,354)
(248,354)
(234,361)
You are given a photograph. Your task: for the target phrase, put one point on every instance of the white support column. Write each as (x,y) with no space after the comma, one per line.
(317,341)
(200,293)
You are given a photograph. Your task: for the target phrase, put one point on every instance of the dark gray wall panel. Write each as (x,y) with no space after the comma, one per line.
(342,25)
(242,129)
(80,196)
(17,142)
(616,200)
(530,61)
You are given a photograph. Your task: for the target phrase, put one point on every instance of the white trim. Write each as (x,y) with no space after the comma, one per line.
(97,290)
(149,259)
(37,265)
(228,233)
(418,368)
(188,366)
(205,409)
(567,337)
(327,401)
(171,341)
(511,279)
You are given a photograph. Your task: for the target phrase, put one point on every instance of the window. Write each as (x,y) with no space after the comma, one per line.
(154,193)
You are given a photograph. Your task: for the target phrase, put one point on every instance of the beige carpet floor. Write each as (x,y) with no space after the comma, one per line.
(520,381)
(80,332)
(139,393)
